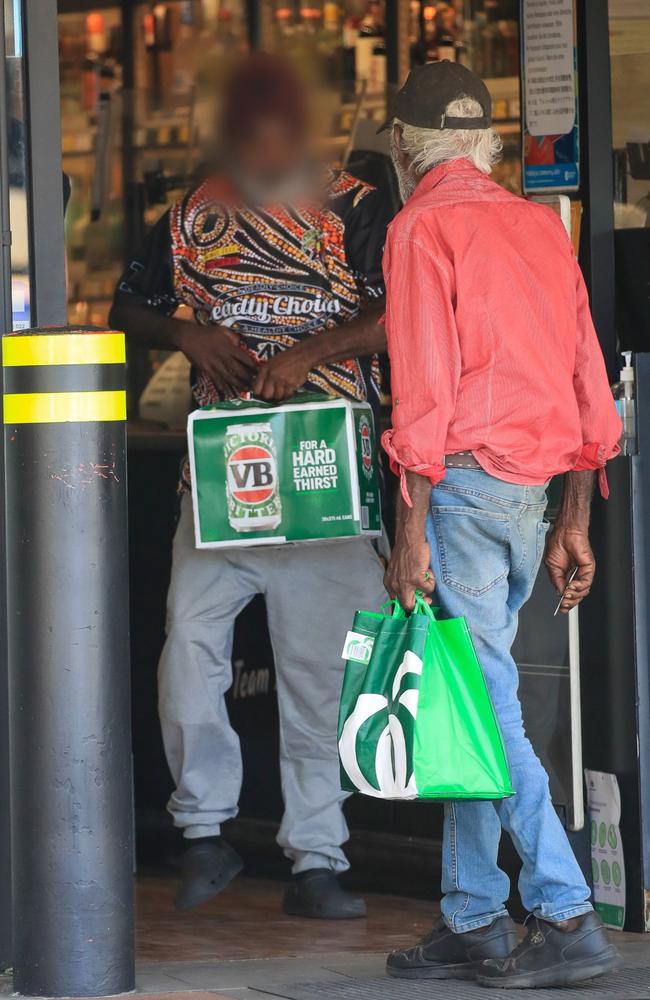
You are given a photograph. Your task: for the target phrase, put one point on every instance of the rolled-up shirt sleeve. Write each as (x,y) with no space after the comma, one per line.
(424,353)
(599,420)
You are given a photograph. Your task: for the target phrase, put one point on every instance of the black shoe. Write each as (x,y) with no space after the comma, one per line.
(446,955)
(207,868)
(554,955)
(316,893)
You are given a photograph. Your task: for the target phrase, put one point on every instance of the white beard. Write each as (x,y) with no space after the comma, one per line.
(405,181)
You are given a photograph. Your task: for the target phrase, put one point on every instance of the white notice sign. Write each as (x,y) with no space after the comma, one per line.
(608,868)
(549,68)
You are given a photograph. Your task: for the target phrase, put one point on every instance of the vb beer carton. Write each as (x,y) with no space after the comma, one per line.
(303,471)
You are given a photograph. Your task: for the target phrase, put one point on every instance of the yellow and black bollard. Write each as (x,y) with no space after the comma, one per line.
(67,572)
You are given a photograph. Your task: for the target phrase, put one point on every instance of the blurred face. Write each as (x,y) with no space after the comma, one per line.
(268,161)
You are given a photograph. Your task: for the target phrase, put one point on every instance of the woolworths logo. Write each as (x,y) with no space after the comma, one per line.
(358,647)
(376,744)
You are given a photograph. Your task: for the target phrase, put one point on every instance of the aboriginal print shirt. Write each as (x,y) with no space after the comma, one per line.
(274,276)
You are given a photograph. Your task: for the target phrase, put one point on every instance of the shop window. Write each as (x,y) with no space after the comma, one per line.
(344,47)
(629,34)
(138,83)
(483,35)
(134,103)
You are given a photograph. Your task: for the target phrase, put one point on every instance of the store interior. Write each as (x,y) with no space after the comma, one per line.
(138,81)
(138,85)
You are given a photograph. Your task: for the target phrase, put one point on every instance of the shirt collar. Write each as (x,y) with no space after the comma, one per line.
(437,174)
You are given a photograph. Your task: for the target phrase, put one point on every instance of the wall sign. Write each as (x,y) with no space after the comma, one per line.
(607,863)
(550,122)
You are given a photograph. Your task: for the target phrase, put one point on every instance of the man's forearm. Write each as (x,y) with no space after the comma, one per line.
(356,339)
(411,520)
(575,506)
(569,559)
(150,329)
(409,570)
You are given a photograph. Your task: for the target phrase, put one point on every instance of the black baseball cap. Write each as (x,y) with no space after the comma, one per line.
(430,89)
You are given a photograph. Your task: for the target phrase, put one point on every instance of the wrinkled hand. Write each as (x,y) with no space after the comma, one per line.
(409,570)
(565,549)
(282,376)
(219,353)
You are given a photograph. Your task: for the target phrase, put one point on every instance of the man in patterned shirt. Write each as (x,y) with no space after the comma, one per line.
(282,272)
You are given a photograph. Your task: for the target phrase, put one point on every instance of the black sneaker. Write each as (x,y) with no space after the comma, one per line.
(554,955)
(316,893)
(446,955)
(207,868)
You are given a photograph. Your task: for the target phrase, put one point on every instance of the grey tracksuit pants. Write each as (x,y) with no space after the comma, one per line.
(311,594)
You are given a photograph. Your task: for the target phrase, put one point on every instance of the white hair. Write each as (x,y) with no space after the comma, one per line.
(427,147)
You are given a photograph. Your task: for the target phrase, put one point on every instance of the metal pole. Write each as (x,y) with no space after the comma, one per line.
(597,169)
(65,447)
(392,43)
(45,191)
(6,321)
(254,24)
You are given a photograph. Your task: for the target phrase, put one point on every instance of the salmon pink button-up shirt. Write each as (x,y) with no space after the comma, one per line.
(491,341)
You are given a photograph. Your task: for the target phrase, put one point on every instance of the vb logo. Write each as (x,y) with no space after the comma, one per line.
(366,446)
(252,474)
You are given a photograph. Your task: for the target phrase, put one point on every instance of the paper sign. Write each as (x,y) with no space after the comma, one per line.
(550,79)
(608,869)
(550,133)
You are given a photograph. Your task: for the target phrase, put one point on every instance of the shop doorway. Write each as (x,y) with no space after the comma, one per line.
(135,81)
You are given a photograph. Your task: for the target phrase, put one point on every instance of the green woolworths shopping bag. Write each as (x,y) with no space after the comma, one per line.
(415,719)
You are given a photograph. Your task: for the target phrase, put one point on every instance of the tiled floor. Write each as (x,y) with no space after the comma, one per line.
(247,922)
(242,947)
(241,944)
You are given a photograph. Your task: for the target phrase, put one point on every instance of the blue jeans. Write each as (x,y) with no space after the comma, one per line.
(487,538)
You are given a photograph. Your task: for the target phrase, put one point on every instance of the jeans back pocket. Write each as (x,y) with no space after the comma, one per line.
(473,547)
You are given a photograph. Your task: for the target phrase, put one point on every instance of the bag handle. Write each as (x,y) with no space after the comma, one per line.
(421,607)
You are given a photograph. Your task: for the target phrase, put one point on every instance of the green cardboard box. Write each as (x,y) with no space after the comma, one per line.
(301,472)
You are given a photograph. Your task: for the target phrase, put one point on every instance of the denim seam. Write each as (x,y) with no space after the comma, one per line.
(498,501)
(488,515)
(542,529)
(565,914)
(465,491)
(523,544)
(446,575)
(472,925)
(454,866)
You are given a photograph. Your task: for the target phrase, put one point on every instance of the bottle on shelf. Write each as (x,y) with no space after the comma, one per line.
(446,32)
(430,33)
(331,18)
(624,395)
(370,49)
(372,22)
(349,57)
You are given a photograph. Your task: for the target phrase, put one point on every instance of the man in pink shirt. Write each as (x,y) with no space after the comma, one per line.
(498,385)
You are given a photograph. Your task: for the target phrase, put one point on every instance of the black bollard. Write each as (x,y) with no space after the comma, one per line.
(67,572)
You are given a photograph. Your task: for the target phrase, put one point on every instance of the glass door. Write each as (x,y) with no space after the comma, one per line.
(17,163)
(629,40)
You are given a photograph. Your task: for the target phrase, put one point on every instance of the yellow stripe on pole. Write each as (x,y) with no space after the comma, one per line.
(63,407)
(64,349)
